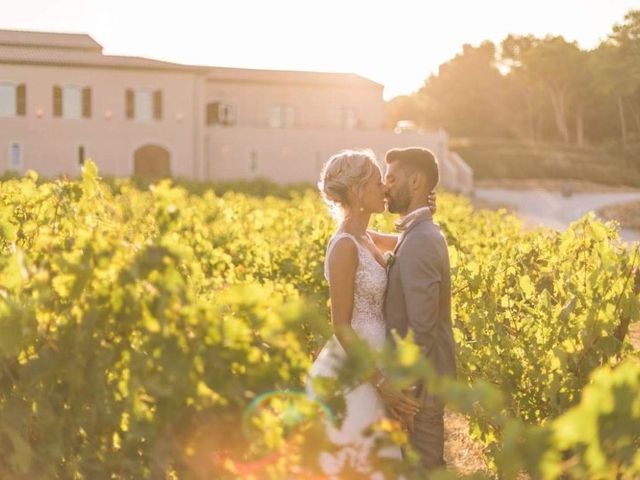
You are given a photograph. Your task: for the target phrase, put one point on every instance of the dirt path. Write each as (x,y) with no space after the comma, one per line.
(550,208)
(462,453)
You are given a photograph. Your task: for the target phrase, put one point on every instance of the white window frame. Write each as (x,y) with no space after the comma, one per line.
(20,165)
(282,116)
(15,99)
(348,118)
(66,113)
(137,92)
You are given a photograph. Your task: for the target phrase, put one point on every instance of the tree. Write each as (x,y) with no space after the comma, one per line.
(558,65)
(581,92)
(535,89)
(467,96)
(403,107)
(607,64)
(626,37)
(512,50)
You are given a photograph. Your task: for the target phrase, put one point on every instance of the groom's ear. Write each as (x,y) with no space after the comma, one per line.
(417,179)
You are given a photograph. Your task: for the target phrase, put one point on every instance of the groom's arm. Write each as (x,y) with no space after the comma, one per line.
(420,278)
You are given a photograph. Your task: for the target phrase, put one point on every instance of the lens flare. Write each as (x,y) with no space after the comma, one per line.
(287,412)
(290,408)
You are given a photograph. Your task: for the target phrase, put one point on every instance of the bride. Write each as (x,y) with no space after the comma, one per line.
(351,184)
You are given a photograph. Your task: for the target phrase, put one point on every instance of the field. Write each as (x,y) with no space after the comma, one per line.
(162,333)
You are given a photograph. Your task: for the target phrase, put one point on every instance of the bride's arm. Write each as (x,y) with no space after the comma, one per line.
(386,242)
(343,261)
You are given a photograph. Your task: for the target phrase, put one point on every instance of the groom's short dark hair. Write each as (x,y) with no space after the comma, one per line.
(418,158)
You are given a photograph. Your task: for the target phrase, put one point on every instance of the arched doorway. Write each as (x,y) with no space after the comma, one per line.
(152,161)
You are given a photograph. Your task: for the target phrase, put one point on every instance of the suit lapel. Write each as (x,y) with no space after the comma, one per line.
(399,242)
(422,218)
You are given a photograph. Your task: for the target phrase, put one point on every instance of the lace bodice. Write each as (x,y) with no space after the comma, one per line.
(368,296)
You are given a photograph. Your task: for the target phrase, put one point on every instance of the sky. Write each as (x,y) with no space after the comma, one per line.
(395,42)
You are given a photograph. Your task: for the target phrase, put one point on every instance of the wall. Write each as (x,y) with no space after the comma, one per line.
(298,155)
(50,143)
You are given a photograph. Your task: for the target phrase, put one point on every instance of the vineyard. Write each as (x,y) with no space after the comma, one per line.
(166,334)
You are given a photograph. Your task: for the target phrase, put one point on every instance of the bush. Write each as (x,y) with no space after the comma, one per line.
(501,159)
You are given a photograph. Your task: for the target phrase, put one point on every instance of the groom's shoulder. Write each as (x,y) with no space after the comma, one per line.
(425,235)
(427,231)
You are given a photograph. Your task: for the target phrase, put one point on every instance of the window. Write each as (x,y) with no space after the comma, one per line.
(15,156)
(71,101)
(253,160)
(144,104)
(281,116)
(13,99)
(7,100)
(348,118)
(219,113)
(82,155)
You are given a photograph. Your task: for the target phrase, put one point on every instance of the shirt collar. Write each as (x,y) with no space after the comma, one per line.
(403,223)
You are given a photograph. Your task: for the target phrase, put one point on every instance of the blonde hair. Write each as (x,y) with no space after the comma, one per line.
(344,170)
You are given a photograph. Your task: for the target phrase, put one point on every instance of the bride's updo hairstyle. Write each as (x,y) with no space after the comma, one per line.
(345,169)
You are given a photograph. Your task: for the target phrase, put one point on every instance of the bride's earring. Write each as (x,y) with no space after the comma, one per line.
(361,209)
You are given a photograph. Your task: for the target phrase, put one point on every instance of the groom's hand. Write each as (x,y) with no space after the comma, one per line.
(398,403)
(406,420)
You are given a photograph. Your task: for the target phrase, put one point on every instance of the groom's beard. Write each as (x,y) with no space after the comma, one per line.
(399,201)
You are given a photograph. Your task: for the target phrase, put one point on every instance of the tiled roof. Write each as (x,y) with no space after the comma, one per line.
(76,41)
(80,58)
(223,74)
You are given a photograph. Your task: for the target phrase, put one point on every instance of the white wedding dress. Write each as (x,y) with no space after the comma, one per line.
(364,406)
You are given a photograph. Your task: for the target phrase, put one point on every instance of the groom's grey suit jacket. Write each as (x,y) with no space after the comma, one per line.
(418,293)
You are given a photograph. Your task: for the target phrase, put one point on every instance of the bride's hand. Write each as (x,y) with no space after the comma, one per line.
(431,202)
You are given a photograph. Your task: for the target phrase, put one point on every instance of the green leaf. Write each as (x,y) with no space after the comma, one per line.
(89,171)
(526,286)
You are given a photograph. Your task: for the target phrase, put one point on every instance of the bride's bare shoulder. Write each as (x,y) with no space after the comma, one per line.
(342,244)
(343,253)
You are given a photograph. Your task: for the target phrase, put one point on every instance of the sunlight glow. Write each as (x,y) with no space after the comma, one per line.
(397,43)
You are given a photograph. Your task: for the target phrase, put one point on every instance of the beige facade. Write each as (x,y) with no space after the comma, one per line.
(51,144)
(62,100)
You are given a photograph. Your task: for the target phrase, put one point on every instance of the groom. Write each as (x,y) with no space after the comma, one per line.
(418,296)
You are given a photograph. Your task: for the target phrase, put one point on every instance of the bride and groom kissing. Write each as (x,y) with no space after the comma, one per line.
(371,298)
